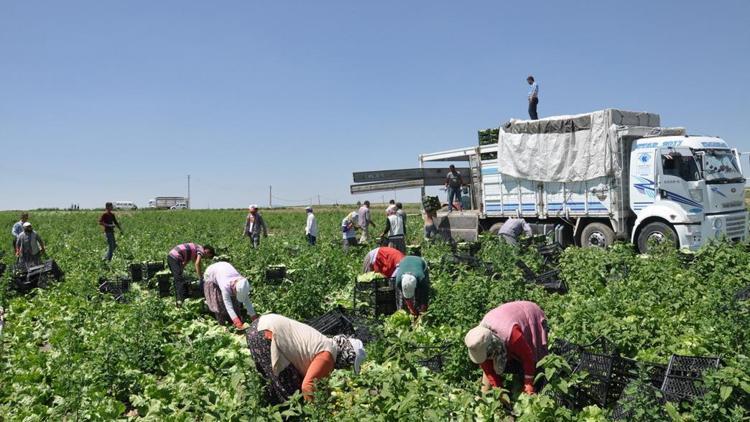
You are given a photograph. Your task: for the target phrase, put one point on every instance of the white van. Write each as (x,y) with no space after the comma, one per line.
(125,205)
(179,206)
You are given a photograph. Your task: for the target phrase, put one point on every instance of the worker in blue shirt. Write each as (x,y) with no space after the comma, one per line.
(533,98)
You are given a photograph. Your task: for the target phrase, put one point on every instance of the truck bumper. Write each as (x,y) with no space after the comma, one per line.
(731,226)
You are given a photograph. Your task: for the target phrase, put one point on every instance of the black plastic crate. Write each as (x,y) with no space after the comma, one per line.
(117,288)
(333,323)
(38,276)
(528,274)
(378,296)
(151,268)
(432,357)
(275,273)
(549,280)
(136,272)
(684,377)
(164,284)
(743,294)
(470,262)
(194,290)
(414,250)
(550,252)
(621,410)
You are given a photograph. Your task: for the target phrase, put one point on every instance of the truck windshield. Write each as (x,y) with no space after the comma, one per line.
(720,166)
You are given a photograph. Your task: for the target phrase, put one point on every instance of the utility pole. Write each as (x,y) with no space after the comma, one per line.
(188,198)
(318,199)
(270,202)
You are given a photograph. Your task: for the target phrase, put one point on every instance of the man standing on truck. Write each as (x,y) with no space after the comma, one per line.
(254,224)
(109,221)
(365,221)
(513,228)
(533,97)
(453,183)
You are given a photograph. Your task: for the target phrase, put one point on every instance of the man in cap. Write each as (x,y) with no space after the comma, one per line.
(413,285)
(254,225)
(311,227)
(18,228)
(510,338)
(225,289)
(29,247)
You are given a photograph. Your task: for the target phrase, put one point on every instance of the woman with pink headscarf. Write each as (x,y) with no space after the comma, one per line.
(511,337)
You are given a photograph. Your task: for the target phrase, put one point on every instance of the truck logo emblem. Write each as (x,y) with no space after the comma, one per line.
(643,158)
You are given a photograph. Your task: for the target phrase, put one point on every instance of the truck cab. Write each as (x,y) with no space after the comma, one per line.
(690,187)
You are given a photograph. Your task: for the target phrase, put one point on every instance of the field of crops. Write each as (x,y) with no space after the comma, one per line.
(69,352)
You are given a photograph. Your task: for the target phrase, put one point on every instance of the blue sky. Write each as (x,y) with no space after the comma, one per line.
(120,100)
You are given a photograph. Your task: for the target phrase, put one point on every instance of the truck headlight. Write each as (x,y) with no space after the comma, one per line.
(718,224)
(696,195)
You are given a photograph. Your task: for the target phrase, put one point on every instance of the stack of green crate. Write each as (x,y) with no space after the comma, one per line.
(488,136)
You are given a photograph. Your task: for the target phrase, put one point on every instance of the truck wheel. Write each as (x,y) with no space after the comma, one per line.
(597,235)
(495,228)
(657,232)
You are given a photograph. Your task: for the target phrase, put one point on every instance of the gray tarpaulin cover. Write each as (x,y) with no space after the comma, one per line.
(566,148)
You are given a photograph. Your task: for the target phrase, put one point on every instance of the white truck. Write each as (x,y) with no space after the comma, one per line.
(602,176)
(167,202)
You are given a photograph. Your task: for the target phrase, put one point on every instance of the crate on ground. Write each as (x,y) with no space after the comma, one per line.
(333,323)
(375,293)
(608,374)
(550,253)
(136,271)
(625,407)
(26,278)
(432,357)
(549,280)
(194,289)
(468,261)
(742,294)
(275,274)
(684,377)
(150,269)
(117,288)
(414,250)
(164,282)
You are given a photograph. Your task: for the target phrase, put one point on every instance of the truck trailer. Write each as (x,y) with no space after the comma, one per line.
(167,202)
(598,177)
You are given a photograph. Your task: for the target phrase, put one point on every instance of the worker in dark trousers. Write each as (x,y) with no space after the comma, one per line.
(533,98)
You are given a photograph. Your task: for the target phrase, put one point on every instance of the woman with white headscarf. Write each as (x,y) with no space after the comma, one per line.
(291,355)
(413,285)
(225,289)
(349,226)
(255,225)
(510,338)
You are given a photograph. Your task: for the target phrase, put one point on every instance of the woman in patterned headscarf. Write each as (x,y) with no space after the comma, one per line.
(510,338)
(292,355)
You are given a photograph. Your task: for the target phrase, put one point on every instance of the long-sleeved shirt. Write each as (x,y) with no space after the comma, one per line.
(311,227)
(186,252)
(349,225)
(294,343)
(254,224)
(364,217)
(223,274)
(415,266)
(513,227)
(17,229)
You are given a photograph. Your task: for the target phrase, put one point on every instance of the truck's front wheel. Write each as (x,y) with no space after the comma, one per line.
(598,235)
(656,232)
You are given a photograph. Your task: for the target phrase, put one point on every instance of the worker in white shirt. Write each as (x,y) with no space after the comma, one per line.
(311,228)
(225,289)
(512,230)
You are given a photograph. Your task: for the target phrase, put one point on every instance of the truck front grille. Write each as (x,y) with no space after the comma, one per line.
(735,226)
